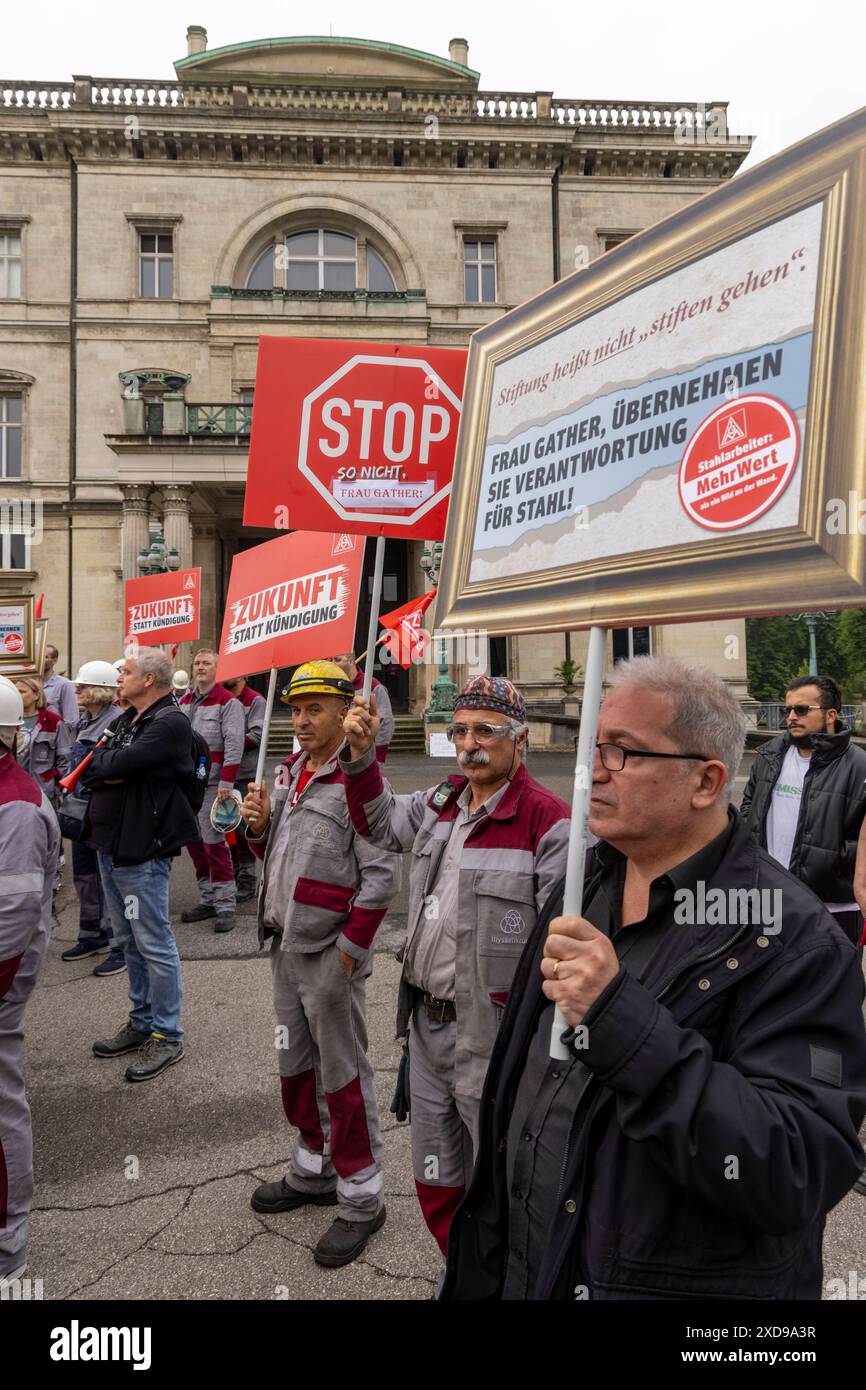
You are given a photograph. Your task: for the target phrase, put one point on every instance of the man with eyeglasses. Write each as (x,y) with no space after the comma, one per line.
(705,1118)
(487,848)
(806,799)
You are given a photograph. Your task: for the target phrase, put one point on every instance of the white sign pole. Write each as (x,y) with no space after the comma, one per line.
(375,604)
(574,872)
(266,726)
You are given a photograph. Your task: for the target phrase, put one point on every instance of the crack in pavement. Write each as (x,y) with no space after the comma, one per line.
(161,1192)
(129,1253)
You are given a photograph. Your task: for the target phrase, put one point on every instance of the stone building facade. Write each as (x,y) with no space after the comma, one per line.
(151,231)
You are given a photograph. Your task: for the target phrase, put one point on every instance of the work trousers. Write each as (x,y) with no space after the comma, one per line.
(444,1124)
(16,1140)
(213,862)
(326,1079)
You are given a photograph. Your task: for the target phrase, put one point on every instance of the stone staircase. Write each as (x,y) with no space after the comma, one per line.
(408,736)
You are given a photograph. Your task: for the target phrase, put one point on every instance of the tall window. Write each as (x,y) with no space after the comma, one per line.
(10,265)
(612,239)
(320,260)
(479,272)
(156,265)
(14,550)
(631,641)
(10,435)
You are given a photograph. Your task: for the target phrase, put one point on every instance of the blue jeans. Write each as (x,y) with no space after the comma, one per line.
(137,899)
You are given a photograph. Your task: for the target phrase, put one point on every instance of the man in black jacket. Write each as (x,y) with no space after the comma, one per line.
(140,818)
(806,798)
(707,1117)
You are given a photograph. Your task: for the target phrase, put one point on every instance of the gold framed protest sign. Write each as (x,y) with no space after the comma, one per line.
(678,431)
(20,653)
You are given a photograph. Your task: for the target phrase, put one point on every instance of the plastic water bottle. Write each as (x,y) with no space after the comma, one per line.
(201,768)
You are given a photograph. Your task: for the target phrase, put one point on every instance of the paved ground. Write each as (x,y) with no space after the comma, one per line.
(143,1191)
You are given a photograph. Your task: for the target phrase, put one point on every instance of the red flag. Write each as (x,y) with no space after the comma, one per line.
(409,640)
(39,605)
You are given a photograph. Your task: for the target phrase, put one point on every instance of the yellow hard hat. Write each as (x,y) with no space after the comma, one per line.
(318,678)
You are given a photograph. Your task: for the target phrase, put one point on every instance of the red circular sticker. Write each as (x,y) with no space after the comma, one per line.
(13,641)
(738,462)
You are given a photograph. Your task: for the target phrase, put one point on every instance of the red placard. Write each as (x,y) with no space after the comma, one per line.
(738,462)
(355,436)
(163,608)
(290,600)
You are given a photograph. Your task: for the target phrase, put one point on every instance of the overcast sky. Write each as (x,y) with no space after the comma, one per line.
(786,68)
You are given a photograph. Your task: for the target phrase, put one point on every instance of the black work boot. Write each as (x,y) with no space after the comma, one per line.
(281,1196)
(198,914)
(344,1241)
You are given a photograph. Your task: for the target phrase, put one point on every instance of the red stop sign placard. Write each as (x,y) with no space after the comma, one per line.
(738,462)
(354,436)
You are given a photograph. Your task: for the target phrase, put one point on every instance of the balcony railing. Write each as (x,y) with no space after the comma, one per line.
(508,108)
(229,418)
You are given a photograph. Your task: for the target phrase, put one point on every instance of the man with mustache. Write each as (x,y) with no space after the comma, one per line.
(806,799)
(487,848)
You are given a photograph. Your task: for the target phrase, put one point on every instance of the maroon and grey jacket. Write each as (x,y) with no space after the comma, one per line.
(30,846)
(46,757)
(511,862)
(254,706)
(337,886)
(219,718)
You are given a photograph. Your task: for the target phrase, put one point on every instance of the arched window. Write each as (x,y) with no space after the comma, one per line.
(322,259)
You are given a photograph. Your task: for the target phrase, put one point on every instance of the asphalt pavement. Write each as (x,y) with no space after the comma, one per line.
(143,1191)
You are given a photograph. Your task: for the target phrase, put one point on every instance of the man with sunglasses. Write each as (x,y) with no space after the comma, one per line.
(806,798)
(706,1116)
(487,848)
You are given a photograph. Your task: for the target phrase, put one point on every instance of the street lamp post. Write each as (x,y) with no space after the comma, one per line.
(444,691)
(158,560)
(811,621)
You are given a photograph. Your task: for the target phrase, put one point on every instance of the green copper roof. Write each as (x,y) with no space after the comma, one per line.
(196,58)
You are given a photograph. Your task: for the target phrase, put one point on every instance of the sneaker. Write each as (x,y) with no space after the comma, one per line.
(114,965)
(157,1054)
(225,921)
(344,1241)
(126,1039)
(246,887)
(281,1196)
(198,914)
(85,948)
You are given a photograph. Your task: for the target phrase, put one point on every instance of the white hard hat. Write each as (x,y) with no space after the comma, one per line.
(97,673)
(180,680)
(120,662)
(11,704)
(225,815)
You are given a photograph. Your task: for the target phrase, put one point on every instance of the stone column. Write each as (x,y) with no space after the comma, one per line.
(136,535)
(176,519)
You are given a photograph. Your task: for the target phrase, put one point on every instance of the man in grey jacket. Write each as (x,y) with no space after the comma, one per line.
(487,848)
(219,719)
(29,851)
(323,894)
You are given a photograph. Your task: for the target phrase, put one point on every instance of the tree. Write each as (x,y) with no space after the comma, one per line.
(776,652)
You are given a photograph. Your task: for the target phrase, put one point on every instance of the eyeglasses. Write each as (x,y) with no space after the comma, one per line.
(613,755)
(482,733)
(800,710)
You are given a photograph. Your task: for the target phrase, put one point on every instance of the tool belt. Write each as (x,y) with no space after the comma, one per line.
(439,1010)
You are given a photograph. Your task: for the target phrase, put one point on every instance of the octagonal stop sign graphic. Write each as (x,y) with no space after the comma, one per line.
(354,436)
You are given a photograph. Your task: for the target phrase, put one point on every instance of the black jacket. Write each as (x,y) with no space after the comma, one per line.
(831,810)
(145,816)
(765,1064)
